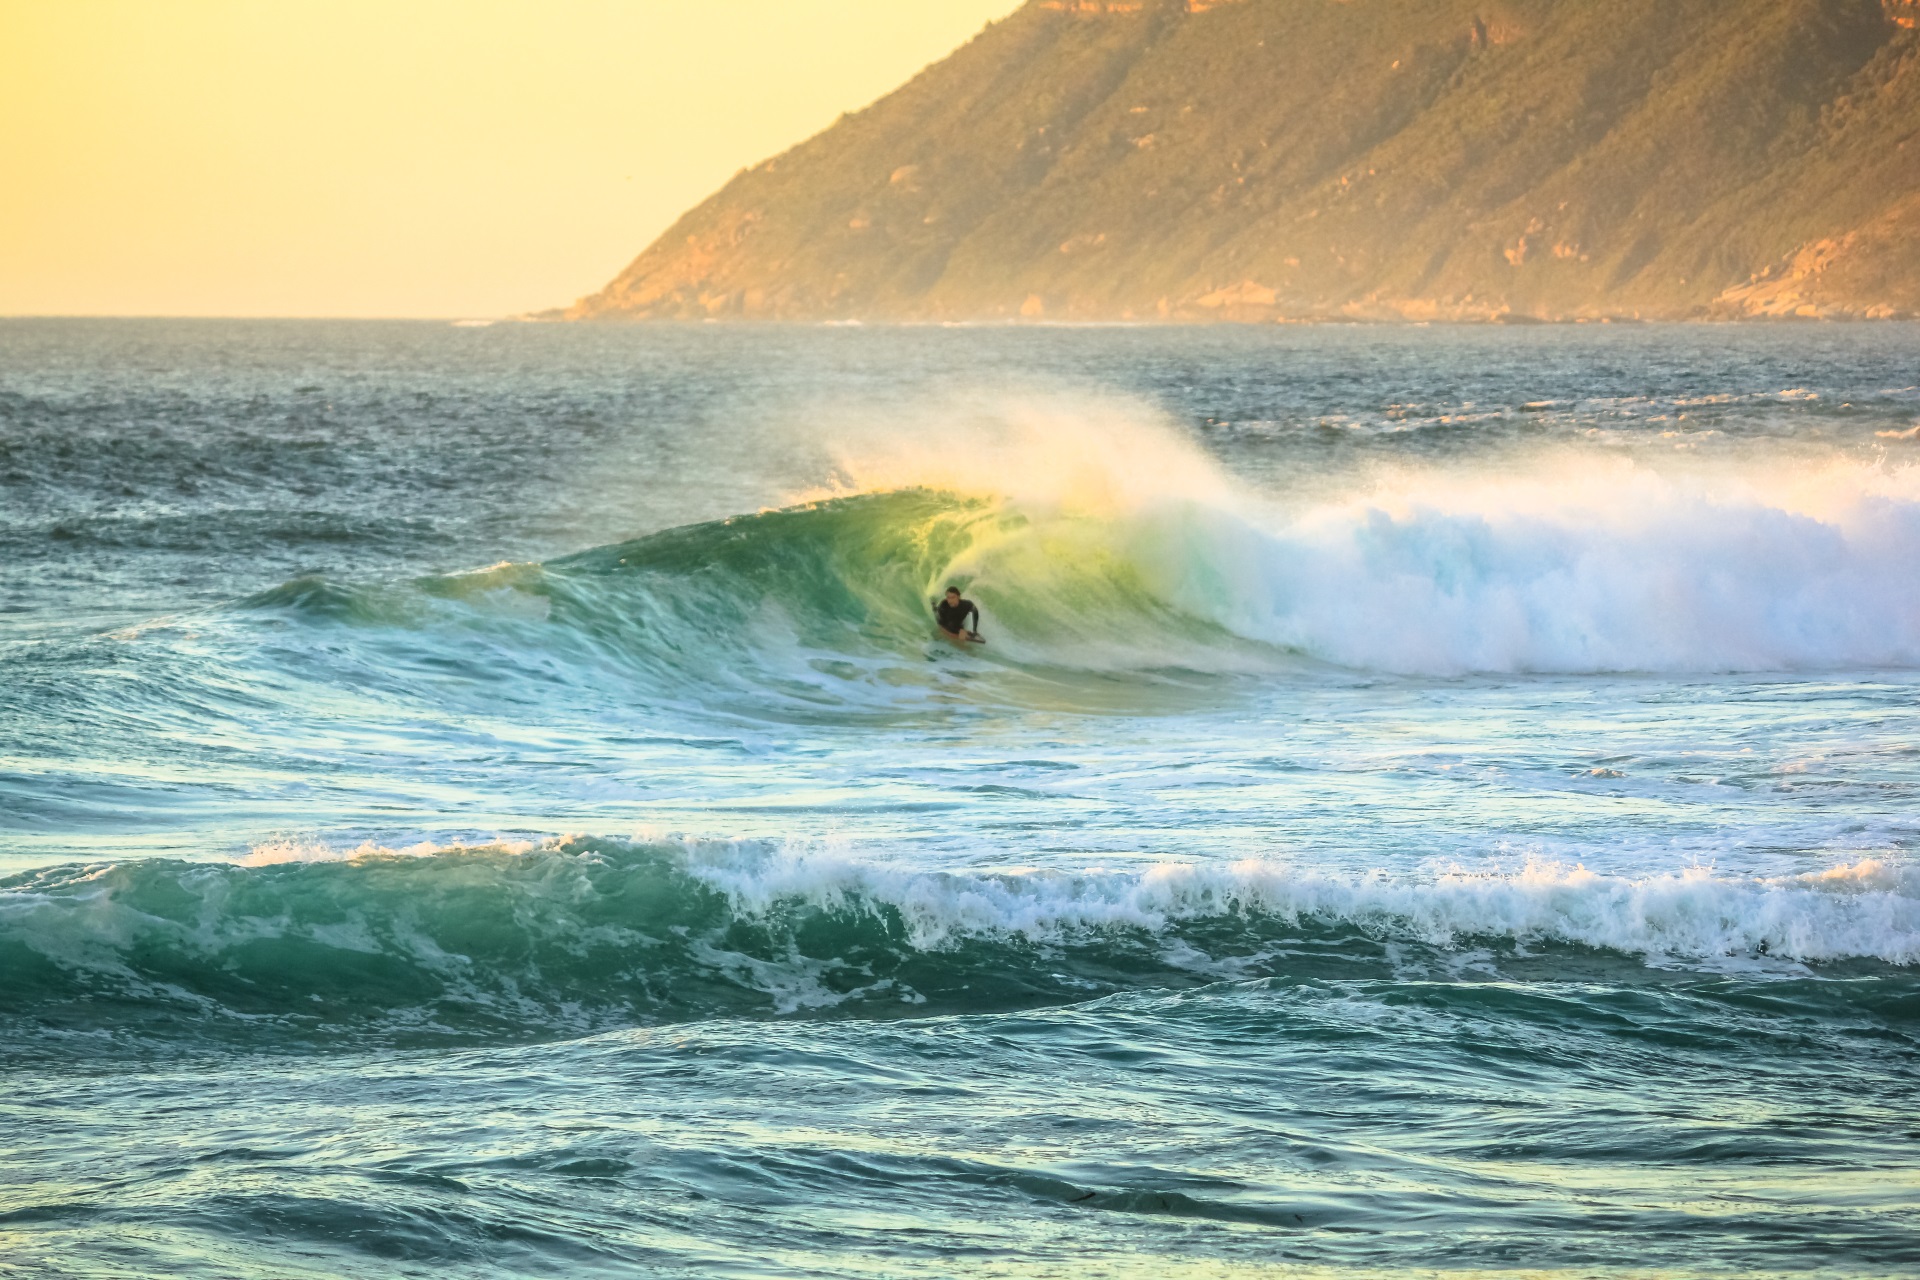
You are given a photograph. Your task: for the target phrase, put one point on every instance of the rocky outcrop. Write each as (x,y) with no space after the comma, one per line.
(1870,273)
(1260,160)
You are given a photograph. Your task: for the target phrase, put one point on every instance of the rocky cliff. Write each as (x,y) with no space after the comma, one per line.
(1262,160)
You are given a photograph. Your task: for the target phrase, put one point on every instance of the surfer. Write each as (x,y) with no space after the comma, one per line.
(952,614)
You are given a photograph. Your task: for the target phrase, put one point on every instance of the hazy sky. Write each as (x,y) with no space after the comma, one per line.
(401,157)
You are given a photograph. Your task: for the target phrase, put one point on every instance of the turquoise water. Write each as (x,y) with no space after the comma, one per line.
(490,802)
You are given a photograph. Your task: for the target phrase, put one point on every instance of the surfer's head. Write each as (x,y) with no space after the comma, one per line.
(953,593)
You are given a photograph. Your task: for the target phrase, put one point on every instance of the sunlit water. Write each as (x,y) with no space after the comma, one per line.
(491,802)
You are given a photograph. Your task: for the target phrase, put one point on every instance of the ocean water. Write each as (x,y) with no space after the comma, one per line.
(489,801)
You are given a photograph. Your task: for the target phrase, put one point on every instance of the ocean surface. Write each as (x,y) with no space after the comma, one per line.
(489,801)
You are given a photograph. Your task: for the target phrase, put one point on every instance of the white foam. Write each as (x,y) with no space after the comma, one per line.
(1866,909)
(277,852)
(1574,568)
(1573,562)
(1614,568)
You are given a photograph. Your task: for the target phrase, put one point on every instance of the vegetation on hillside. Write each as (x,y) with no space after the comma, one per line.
(1279,159)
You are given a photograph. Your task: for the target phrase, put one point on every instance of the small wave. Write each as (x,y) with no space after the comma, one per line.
(579,934)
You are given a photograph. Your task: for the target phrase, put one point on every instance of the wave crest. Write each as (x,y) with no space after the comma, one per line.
(586,933)
(1568,569)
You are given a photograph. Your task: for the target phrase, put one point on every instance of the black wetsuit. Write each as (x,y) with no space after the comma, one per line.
(952,615)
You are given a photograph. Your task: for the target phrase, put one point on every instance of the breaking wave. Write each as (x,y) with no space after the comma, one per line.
(1117,547)
(582,934)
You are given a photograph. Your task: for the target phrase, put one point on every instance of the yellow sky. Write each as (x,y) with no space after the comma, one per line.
(401,157)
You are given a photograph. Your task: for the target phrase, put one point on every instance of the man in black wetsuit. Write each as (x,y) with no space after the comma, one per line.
(952,614)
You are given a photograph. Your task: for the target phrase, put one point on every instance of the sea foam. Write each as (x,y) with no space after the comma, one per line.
(1868,909)
(1571,561)
(1616,568)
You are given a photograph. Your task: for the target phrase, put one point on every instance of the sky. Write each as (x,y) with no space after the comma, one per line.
(434,158)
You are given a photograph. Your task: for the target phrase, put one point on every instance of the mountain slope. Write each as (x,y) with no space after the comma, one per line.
(1275,159)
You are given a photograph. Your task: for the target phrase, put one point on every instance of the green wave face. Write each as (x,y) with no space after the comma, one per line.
(497,943)
(831,602)
(852,574)
(858,574)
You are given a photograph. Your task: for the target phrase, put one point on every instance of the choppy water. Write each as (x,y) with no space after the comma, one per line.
(489,801)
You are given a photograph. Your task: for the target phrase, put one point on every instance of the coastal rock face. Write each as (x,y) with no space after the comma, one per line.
(1261,160)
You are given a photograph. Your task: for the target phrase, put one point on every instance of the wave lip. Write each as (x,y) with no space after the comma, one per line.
(584,934)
